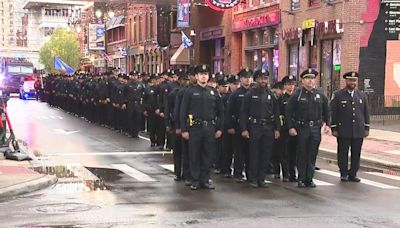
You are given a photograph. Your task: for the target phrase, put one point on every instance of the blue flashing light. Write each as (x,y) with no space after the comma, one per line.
(26,95)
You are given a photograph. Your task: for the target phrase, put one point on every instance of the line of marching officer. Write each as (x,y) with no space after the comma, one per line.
(225,121)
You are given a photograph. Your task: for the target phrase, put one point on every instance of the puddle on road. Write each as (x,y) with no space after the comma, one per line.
(73,178)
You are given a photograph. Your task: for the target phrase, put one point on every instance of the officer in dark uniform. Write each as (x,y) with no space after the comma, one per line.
(228,139)
(276,158)
(241,145)
(172,125)
(306,112)
(287,144)
(151,104)
(135,93)
(350,124)
(259,122)
(185,144)
(223,91)
(201,117)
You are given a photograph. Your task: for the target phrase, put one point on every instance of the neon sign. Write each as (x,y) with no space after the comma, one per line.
(221,5)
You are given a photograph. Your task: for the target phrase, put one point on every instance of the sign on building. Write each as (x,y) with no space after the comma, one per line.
(183,16)
(96,37)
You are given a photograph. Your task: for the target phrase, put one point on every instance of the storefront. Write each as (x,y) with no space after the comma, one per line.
(212,43)
(317,45)
(255,32)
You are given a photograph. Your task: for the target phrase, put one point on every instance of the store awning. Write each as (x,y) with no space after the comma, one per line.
(181,56)
(116,22)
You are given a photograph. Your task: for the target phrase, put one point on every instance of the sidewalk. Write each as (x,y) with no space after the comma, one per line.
(16,178)
(381,150)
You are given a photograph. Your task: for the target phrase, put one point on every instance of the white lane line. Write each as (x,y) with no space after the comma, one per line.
(147,139)
(322,183)
(392,177)
(136,174)
(363,181)
(117,153)
(168,167)
(395,152)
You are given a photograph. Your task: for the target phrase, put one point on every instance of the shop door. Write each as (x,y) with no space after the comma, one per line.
(326,67)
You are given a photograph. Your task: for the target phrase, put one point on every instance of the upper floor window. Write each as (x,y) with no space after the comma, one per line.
(295,5)
(312,3)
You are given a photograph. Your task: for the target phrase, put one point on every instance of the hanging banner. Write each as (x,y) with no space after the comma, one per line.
(183,17)
(96,37)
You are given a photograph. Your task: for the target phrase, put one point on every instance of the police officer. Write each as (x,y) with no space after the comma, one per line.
(228,139)
(241,145)
(135,93)
(276,159)
(306,112)
(201,123)
(287,143)
(259,122)
(185,144)
(152,110)
(350,124)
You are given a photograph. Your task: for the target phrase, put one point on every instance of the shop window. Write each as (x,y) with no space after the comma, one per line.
(294,60)
(295,5)
(313,3)
(330,66)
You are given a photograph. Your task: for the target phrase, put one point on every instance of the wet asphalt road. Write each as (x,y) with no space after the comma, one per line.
(110,180)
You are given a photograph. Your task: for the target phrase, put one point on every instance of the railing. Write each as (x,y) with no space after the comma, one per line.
(384,107)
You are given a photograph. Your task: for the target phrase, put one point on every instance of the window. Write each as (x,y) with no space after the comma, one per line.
(251,3)
(313,3)
(151,26)
(295,5)
(135,30)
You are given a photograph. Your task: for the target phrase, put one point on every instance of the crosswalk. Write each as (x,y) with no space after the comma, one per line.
(323,177)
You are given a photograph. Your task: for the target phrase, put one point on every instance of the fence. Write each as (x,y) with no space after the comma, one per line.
(384,107)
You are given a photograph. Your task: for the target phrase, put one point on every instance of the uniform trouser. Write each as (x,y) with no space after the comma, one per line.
(344,144)
(177,154)
(185,160)
(217,157)
(276,158)
(152,127)
(261,143)
(288,148)
(227,152)
(134,119)
(202,145)
(308,140)
(241,155)
(160,131)
(170,139)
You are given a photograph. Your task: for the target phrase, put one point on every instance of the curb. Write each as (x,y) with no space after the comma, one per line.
(370,164)
(28,187)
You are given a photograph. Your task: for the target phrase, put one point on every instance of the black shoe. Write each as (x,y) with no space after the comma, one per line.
(317,168)
(285,179)
(300,184)
(227,175)
(311,184)
(253,184)
(239,180)
(188,183)
(209,185)
(177,178)
(194,186)
(354,179)
(292,179)
(344,178)
(263,184)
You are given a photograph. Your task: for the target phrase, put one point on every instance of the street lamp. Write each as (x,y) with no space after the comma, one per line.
(192,37)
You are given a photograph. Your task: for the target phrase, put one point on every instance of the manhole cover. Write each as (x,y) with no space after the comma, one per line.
(64,208)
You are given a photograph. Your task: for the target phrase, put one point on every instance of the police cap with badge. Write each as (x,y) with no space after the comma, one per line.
(278,85)
(350,75)
(260,73)
(154,77)
(233,78)
(203,68)
(288,80)
(245,73)
(309,73)
(223,81)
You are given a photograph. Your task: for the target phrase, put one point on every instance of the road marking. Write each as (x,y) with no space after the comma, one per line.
(136,174)
(147,139)
(116,153)
(395,152)
(64,132)
(363,181)
(168,167)
(322,183)
(384,175)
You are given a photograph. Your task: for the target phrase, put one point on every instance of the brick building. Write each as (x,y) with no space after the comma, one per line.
(255,36)
(334,37)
